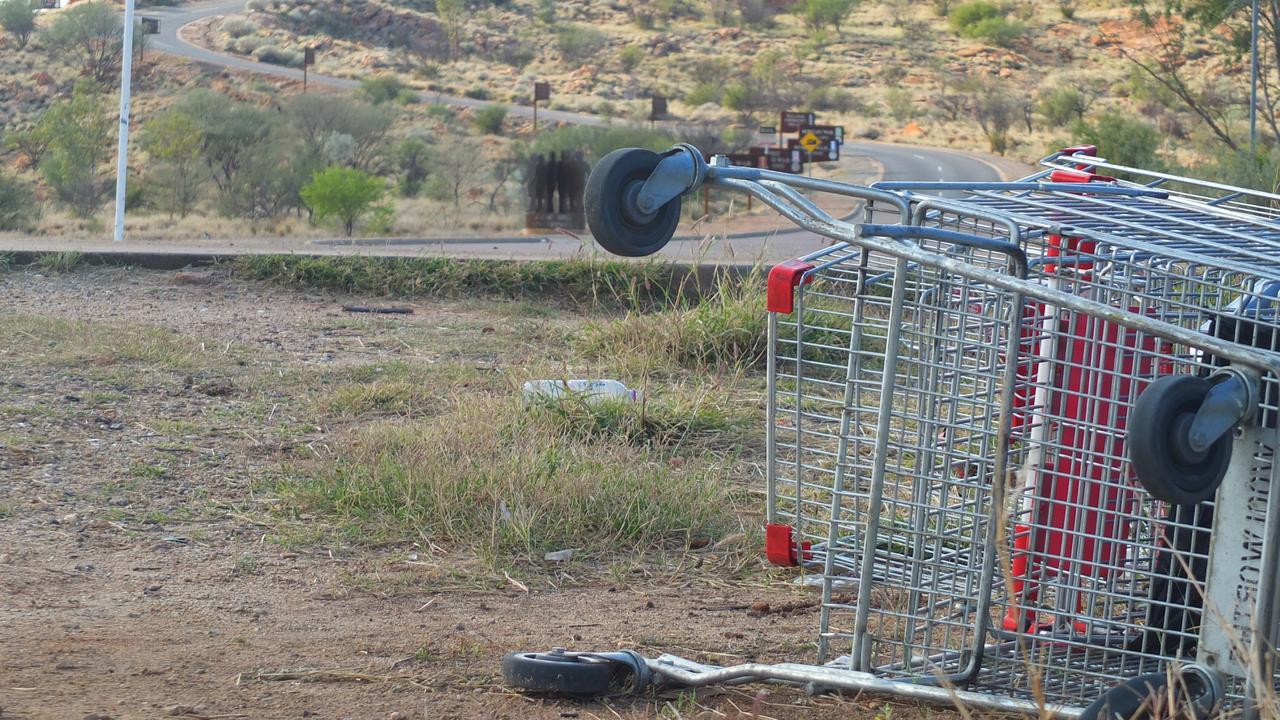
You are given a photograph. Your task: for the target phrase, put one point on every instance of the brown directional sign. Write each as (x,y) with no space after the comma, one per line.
(659,107)
(768,130)
(150,26)
(787,161)
(792,121)
(309,56)
(541,91)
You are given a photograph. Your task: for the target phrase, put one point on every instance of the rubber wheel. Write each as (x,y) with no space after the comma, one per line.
(1159,448)
(615,221)
(1147,696)
(557,672)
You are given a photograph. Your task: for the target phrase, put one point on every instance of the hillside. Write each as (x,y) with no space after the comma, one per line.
(892,70)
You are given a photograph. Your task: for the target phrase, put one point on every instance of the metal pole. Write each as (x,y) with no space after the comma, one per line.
(1253,89)
(122,152)
(535,111)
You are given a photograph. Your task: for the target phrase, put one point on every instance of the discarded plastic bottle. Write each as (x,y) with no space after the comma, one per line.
(591,390)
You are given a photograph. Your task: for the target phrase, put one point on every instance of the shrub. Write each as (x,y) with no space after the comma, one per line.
(488,120)
(901,104)
(247,45)
(997,31)
(384,88)
(1121,139)
(821,13)
(17,203)
(278,56)
(825,97)
(18,18)
(1063,104)
(79,130)
(94,33)
(238,27)
(972,13)
(630,56)
(578,43)
(704,93)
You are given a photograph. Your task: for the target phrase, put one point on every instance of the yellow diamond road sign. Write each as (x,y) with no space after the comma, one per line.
(810,142)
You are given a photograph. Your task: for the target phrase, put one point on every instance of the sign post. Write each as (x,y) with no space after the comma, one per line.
(308,59)
(122,150)
(541,91)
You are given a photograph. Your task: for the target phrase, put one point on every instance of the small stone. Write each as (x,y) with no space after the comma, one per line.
(177,710)
(5,558)
(397,716)
(69,519)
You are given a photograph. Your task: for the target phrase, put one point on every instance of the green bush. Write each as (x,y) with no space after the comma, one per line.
(489,119)
(901,104)
(274,55)
(704,93)
(385,88)
(238,27)
(17,203)
(18,18)
(821,13)
(1062,104)
(997,31)
(578,43)
(630,56)
(343,194)
(972,13)
(1122,140)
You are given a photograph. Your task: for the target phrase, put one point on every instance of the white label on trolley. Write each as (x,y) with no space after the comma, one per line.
(1235,561)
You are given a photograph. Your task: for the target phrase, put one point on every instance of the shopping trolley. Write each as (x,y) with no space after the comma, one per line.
(1021,441)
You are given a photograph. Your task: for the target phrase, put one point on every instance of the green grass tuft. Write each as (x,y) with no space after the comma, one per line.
(59,262)
(511,484)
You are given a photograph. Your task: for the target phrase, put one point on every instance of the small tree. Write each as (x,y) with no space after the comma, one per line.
(174,141)
(93,32)
(411,158)
(18,17)
(995,112)
(453,16)
(79,130)
(342,193)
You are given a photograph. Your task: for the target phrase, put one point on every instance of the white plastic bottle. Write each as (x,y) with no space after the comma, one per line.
(591,390)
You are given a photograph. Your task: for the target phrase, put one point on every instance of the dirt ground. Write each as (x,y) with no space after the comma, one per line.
(139,577)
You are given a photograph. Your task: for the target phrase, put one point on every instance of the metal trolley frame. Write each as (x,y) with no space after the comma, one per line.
(1021,438)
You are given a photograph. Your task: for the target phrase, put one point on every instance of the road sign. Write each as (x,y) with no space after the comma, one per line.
(810,142)
(768,130)
(787,161)
(150,26)
(659,107)
(825,153)
(792,121)
(825,133)
(541,91)
(308,56)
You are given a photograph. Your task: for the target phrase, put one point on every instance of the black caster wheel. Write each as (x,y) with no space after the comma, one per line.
(558,672)
(616,221)
(1195,696)
(1159,444)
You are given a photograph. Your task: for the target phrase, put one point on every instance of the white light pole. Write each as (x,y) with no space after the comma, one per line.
(122,153)
(1253,79)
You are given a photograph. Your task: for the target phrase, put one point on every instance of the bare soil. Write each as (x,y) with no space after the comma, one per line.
(129,592)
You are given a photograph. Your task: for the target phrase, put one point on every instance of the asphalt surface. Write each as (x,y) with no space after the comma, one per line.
(781,241)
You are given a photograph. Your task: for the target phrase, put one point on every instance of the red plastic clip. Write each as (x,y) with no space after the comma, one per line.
(1078,176)
(1090,150)
(783,279)
(780,546)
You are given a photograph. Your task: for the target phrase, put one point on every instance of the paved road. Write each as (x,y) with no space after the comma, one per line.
(899,162)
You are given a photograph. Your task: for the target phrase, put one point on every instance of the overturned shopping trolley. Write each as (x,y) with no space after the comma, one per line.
(1021,440)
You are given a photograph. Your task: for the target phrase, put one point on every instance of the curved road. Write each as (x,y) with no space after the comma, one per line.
(899,162)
